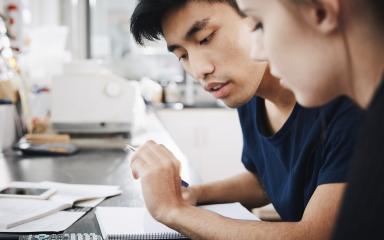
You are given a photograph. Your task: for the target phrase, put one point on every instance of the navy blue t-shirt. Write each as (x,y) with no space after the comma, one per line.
(313,147)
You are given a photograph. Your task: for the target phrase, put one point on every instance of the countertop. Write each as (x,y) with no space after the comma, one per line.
(110,167)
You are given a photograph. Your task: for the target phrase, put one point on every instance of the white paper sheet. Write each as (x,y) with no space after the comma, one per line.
(16,211)
(89,203)
(136,221)
(56,222)
(79,192)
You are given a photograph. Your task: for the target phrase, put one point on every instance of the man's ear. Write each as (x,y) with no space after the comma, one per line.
(324,15)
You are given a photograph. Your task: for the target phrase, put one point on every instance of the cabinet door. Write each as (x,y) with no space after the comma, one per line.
(210,138)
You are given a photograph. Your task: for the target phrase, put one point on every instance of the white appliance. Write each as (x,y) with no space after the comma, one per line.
(96,103)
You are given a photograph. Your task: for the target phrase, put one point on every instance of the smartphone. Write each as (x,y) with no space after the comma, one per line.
(26,192)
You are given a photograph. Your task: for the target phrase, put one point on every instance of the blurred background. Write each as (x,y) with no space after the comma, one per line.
(72,67)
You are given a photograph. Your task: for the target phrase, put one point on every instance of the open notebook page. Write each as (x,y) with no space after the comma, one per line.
(125,222)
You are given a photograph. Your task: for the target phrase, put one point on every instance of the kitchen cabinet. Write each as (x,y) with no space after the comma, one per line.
(210,138)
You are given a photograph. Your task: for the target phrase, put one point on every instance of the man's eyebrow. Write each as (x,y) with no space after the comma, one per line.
(196,27)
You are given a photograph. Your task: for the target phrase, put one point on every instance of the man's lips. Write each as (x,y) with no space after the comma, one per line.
(218,90)
(212,87)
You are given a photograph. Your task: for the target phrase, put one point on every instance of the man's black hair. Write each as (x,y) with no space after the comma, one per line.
(148,15)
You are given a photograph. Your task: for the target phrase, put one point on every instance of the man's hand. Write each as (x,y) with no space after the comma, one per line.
(191,195)
(159,172)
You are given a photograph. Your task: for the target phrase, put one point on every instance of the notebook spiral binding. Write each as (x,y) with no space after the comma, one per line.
(155,236)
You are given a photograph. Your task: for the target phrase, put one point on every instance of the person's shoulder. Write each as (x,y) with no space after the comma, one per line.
(343,102)
(340,109)
(342,119)
(342,106)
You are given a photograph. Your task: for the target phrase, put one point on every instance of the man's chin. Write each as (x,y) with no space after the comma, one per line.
(238,100)
(232,104)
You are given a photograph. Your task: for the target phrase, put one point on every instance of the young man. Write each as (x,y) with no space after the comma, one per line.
(296,158)
(340,43)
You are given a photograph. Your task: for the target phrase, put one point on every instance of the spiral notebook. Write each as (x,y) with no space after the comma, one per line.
(123,223)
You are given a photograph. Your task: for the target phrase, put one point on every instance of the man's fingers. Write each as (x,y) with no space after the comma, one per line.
(163,153)
(156,156)
(138,167)
(147,144)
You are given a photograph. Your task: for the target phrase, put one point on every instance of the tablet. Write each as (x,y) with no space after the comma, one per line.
(26,192)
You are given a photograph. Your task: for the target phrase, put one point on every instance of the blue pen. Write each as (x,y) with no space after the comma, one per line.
(133,149)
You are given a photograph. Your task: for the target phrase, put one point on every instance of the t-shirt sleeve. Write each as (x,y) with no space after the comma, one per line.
(339,145)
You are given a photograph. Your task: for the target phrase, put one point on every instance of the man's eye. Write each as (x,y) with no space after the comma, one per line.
(183,57)
(258,26)
(206,40)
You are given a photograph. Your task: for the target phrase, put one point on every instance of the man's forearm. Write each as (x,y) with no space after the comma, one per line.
(317,221)
(243,188)
(199,223)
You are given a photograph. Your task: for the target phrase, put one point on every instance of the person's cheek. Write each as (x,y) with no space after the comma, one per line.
(258,51)
(272,54)
(281,63)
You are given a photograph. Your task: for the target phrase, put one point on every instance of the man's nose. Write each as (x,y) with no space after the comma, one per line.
(201,66)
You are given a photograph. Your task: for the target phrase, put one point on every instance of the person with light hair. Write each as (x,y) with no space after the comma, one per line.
(322,49)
